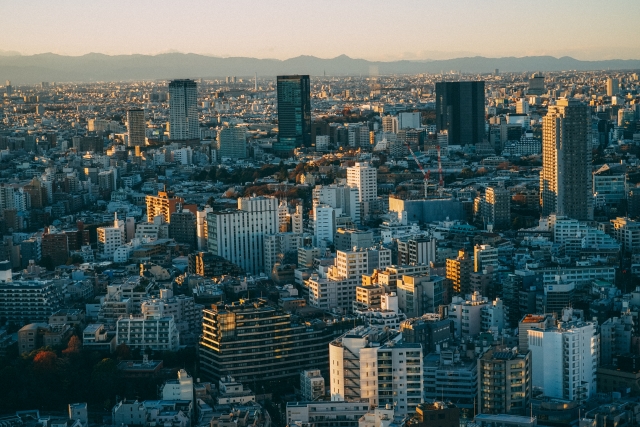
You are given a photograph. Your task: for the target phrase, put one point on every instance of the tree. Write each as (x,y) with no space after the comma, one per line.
(73,347)
(45,360)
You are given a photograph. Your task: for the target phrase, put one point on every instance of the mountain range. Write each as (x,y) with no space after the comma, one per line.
(25,69)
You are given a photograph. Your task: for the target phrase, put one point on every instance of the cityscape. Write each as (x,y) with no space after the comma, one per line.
(313,242)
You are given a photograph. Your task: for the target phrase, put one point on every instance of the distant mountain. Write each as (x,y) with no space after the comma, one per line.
(99,67)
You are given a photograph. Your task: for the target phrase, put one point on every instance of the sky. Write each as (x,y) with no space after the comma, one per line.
(382,30)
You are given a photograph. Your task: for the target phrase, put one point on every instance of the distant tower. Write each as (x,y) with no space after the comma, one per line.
(183,110)
(612,86)
(294,114)
(460,111)
(565,179)
(136,127)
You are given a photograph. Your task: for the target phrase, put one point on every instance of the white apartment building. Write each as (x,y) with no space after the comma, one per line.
(343,197)
(180,389)
(326,414)
(152,332)
(369,363)
(277,245)
(296,220)
(110,238)
(494,316)
(627,232)
(364,177)
(484,256)
(565,358)
(238,234)
(467,314)
(324,224)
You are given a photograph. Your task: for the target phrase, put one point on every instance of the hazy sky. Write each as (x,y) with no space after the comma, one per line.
(369,29)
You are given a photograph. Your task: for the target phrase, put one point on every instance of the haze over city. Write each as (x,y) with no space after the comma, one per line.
(373,30)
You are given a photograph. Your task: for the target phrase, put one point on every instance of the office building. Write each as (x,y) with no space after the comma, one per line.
(364,177)
(466,314)
(536,85)
(232,142)
(252,341)
(182,228)
(565,358)
(183,110)
(374,364)
(627,232)
(565,179)
(460,111)
(164,204)
(55,246)
(136,127)
(436,414)
(238,234)
(532,321)
(409,120)
(325,223)
(504,382)
(294,114)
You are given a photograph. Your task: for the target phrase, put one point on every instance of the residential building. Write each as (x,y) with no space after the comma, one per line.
(421,294)
(364,177)
(110,238)
(183,110)
(417,250)
(467,314)
(496,207)
(280,247)
(532,321)
(565,179)
(459,272)
(616,336)
(436,414)
(232,142)
(627,232)
(370,363)
(238,234)
(311,384)
(179,389)
(343,197)
(326,414)
(294,114)
(251,341)
(183,228)
(565,358)
(325,223)
(164,204)
(346,240)
(430,330)
(504,382)
(150,331)
(452,376)
(136,127)
(484,256)
(22,302)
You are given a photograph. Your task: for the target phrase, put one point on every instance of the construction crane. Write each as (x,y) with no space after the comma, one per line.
(426,174)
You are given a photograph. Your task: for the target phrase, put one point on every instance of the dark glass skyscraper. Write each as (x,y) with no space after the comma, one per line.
(183,110)
(460,111)
(294,114)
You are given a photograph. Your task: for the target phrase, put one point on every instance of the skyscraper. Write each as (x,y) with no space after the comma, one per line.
(136,127)
(364,177)
(565,179)
(536,84)
(232,142)
(294,114)
(613,86)
(183,110)
(460,111)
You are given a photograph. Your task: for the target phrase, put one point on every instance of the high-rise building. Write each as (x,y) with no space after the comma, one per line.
(182,228)
(460,111)
(417,250)
(294,114)
(372,364)
(504,378)
(536,84)
(418,295)
(565,358)
(183,110)
(252,341)
(459,272)
(136,127)
(496,207)
(232,142)
(340,196)
(364,177)
(29,301)
(565,179)
(110,238)
(238,234)
(164,204)
(613,87)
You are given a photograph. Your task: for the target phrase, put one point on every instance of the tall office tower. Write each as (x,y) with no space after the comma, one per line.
(460,111)
(504,378)
(252,341)
(164,204)
(232,142)
(565,358)
(613,87)
(536,84)
(496,207)
(459,273)
(183,110)
(366,363)
(238,234)
(294,114)
(565,179)
(364,177)
(136,127)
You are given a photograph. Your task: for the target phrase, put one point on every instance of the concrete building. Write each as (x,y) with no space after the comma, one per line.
(362,364)
(467,314)
(496,207)
(421,294)
(346,240)
(505,382)
(136,127)
(164,204)
(627,232)
(179,389)
(532,321)
(616,335)
(326,414)
(484,256)
(183,228)
(364,177)
(417,250)
(565,179)
(110,238)
(238,234)
(183,110)
(232,142)
(259,332)
(325,223)
(565,358)
(451,376)
(29,301)
(279,247)
(459,273)
(311,384)
(342,197)
(150,331)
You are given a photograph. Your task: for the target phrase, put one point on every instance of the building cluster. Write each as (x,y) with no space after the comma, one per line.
(382,251)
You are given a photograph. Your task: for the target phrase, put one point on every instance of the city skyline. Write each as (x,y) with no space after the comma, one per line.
(381,33)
